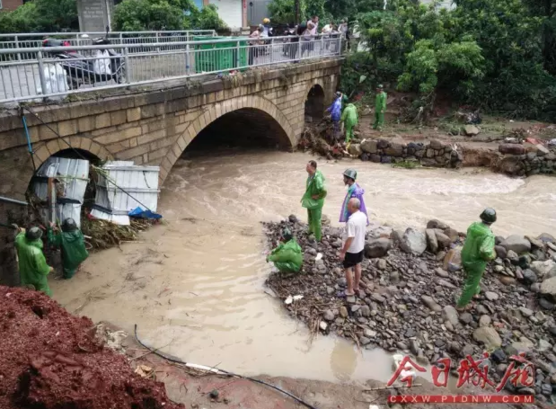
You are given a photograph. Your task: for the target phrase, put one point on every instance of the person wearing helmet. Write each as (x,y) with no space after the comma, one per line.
(33,268)
(477,251)
(350,119)
(336,113)
(288,256)
(380,107)
(313,199)
(267,28)
(354,191)
(72,243)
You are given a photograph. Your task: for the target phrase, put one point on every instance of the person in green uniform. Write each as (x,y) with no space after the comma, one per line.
(32,263)
(349,117)
(380,107)
(313,199)
(72,243)
(477,251)
(288,256)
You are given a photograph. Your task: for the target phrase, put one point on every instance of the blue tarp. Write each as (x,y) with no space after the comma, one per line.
(144,214)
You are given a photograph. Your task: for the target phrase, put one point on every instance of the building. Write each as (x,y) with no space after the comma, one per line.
(9,5)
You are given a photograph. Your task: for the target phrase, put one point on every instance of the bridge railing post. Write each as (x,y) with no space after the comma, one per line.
(271,49)
(17,46)
(42,79)
(238,50)
(127,66)
(321,45)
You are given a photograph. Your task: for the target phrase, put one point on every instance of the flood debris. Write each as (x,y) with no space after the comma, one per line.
(52,359)
(102,234)
(409,291)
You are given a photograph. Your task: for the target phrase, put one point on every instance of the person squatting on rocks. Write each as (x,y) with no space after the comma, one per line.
(380,107)
(350,119)
(72,243)
(313,199)
(336,113)
(477,251)
(33,268)
(354,244)
(354,191)
(288,256)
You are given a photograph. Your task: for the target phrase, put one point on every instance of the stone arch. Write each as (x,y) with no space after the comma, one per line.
(212,113)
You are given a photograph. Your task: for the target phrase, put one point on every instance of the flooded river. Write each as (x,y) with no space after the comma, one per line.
(195,285)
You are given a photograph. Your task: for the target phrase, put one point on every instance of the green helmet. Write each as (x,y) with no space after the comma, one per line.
(34,233)
(380,86)
(69,225)
(351,173)
(488,216)
(287,234)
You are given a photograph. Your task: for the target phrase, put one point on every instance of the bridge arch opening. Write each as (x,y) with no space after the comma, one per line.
(314,104)
(245,128)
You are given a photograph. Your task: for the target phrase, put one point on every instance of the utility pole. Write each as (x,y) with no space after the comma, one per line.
(297,17)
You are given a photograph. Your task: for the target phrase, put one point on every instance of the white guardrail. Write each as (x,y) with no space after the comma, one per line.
(62,70)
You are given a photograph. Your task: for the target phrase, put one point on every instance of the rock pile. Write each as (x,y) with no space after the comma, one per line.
(434,154)
(408,296)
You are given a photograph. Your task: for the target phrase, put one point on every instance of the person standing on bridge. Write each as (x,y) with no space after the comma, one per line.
(72,243)
(478,249)
(354,191)
(33,268)
(380,107)
(313,199)
(254,44)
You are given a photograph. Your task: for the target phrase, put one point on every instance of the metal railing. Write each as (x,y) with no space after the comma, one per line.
(59,71)
(15,42)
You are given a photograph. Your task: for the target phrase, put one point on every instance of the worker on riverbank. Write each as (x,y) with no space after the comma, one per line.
(335,111)
(72,244)
(33,268)
(313,199)
(354,244)
(354,191)
(380,107)
(288,256)
(477,251)
(350,119)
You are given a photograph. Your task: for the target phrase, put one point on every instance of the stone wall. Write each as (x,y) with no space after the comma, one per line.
(94,15)
(434,153)
(155,127)
(527,159)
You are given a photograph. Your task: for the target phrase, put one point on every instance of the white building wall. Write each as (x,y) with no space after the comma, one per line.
(230,11)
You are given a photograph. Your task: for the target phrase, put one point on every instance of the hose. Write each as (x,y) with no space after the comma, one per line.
(221,372)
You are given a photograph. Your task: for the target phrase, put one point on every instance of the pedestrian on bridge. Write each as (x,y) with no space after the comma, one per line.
(33,268)
(477,251)
(313,199)
(72,243)
(380,107)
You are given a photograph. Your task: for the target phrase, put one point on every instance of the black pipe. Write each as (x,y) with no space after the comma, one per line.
(177,361)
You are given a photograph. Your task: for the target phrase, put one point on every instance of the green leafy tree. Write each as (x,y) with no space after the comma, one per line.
(41,16)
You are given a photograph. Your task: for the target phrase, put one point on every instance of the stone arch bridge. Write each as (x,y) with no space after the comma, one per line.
(156,126)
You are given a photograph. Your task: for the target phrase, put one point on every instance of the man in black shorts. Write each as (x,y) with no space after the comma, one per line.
(354,245)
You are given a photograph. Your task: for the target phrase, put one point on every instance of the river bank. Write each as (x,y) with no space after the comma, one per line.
(406,303)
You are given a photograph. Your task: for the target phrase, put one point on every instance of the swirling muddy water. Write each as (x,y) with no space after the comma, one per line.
(195,286)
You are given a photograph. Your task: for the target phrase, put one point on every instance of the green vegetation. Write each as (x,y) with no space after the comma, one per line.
(41,16)
(137,15)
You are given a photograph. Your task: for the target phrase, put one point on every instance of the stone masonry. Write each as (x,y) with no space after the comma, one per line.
(155,127)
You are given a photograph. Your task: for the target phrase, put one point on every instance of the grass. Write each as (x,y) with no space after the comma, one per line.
(406,164)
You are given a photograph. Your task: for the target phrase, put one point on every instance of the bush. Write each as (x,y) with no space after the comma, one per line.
(41,16)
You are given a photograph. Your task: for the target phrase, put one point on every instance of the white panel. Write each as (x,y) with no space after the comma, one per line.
(229,11)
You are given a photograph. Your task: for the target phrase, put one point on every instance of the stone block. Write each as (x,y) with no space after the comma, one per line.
(86,123)
(67,128)
(102,121)
(153,110)
(133,114)
(47,132)
(118,117)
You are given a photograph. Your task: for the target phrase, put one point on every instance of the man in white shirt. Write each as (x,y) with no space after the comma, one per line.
(314,30)
(354,245)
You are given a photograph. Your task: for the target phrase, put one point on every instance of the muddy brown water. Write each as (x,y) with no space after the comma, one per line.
(195,285)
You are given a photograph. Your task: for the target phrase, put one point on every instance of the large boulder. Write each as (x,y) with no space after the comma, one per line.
(436,224)
(488,336)
(436,144)
(548,289)
(511,149)
(355,149)
(542,268)
(431,240)
(517,243)
(546,238)
(471,130)
(395,149)
(376,248)
(536,243)
(369,146)
(413,241)
(444,241)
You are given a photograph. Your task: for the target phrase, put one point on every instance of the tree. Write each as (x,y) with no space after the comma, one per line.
(41,16)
